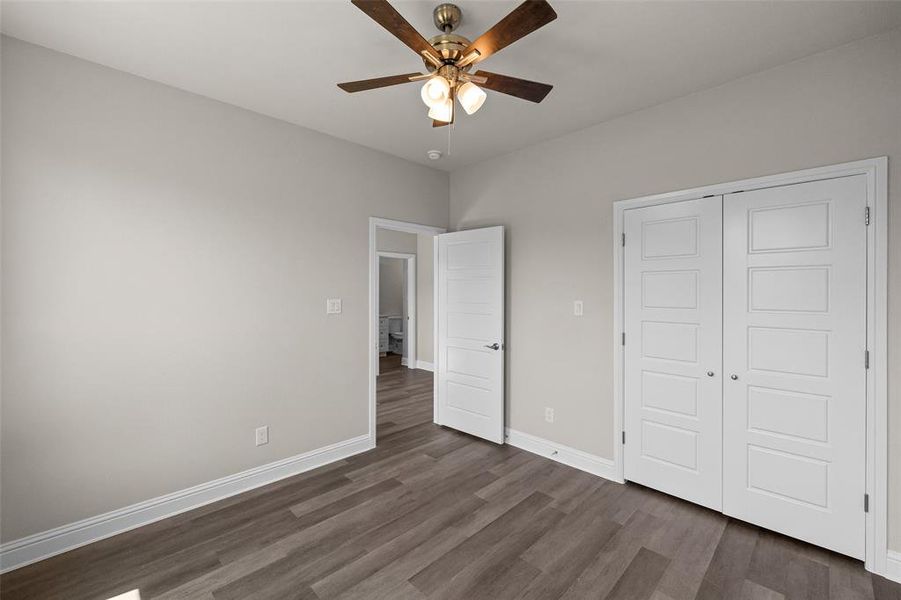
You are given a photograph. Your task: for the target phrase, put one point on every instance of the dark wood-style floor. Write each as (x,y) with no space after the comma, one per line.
(432,513)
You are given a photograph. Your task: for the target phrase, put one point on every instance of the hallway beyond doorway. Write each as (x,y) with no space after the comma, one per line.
(404,396)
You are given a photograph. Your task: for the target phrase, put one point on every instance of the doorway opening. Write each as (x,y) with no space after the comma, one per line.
(397,308)
(401,325)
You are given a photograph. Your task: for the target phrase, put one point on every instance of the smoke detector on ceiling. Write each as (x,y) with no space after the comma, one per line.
(434,154)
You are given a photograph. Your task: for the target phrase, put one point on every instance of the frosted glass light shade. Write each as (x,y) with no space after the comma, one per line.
(435,91)
(471,97)
(442,112)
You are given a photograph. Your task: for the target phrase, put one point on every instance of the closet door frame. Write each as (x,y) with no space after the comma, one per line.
(876,172)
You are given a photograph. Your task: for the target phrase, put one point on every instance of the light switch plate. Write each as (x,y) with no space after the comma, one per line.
(578,308)
(262,435)
(333,306)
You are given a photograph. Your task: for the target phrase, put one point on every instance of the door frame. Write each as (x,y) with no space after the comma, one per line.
(376,223)
(409,302)
(876,172)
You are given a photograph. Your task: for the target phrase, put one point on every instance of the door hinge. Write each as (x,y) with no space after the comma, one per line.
(866,503)
(624,437)
(866,359)
(624,338)
(624,240)
(866,218)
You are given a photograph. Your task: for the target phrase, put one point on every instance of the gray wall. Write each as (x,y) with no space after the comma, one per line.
(389,240)
(556,197)
(425,298)
(165,265)
(391,287)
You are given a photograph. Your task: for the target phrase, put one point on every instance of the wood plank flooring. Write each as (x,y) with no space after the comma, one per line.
(432,513)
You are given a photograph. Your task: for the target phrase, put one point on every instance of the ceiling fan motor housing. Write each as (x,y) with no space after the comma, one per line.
(449,45)
(447,17)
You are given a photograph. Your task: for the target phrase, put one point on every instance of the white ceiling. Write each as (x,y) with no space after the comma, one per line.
(283,58)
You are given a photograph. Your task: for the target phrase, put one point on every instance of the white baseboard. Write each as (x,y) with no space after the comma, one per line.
(602,467)
(39,546)
(425,366)
(893,566)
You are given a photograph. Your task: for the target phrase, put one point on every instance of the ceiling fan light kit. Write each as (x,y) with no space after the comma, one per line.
(443,111)
(435,91)
(471,97)
(449,57)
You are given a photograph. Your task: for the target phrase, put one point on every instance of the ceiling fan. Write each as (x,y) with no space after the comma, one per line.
(449,57)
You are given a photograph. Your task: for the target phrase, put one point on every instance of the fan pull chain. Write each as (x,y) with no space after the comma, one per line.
(449,129)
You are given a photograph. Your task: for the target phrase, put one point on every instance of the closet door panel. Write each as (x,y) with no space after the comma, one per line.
(794,340)
(673,302)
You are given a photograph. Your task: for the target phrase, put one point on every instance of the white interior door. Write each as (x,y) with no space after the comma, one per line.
(470,318)
(673,354)
(794,343)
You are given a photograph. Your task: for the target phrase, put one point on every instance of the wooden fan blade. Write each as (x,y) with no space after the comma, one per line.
(514,86)
(378,82)
(526,18)
(385,15)
(439,123)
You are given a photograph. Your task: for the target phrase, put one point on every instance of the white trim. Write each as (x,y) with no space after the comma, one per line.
(425,366)
(435,353)
(876,171)
(374,224)
(618,339)
(403,255)
(39,546)
(893,566)
(596,465)
(877,374)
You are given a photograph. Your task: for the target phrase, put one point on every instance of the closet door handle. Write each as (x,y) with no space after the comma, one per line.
(494,346)
(709,373)
(733,377)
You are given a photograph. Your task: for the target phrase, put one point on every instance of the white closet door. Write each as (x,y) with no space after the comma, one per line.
(794,342)
(673,316)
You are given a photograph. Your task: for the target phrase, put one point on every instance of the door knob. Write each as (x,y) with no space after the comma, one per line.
(494,346)
(709,373)
(733,377)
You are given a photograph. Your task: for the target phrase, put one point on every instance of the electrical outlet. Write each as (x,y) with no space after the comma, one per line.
(578,308)
(549,415)
(333,306)
(262,435)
